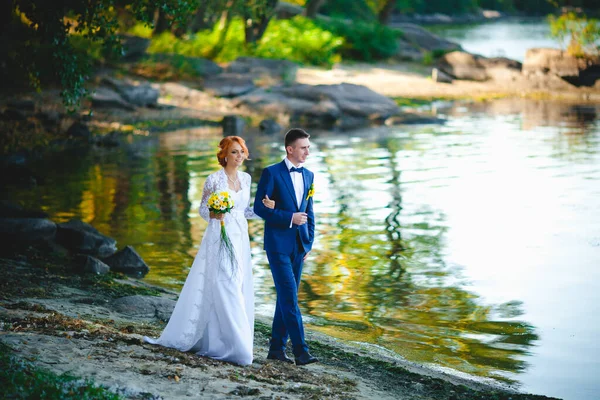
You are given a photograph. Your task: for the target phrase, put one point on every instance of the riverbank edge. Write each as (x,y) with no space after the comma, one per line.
(63,322)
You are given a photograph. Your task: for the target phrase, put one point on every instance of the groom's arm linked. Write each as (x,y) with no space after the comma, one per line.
(275,216)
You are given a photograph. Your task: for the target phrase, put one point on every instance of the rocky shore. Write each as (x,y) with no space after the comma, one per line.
(63,315)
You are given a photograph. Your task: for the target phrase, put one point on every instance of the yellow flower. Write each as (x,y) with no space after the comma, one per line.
(311,191)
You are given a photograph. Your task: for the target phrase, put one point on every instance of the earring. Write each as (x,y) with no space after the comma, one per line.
(225,159)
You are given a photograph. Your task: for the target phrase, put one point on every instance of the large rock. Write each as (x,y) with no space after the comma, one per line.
(127,261)
(104,97)
(233,125)
(145,306)
(579,71)
(472,67)
(229,85)
(79,237)
(324,106)
(26,229)
(91,265)
(423,39)
(136,93)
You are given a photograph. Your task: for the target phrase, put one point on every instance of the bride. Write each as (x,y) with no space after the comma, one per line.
(214,315)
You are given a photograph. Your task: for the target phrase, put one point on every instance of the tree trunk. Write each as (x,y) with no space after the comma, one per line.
(162,23)
(224,23)
(312,7)
(386,12)
(200,20)
(256,24)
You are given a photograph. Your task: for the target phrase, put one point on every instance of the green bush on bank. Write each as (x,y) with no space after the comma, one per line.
(21,380)
(299,39)
(364,41)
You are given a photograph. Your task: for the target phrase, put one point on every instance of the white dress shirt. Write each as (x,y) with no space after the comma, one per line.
(297,181)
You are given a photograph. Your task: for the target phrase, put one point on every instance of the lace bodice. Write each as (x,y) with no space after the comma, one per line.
(217,182)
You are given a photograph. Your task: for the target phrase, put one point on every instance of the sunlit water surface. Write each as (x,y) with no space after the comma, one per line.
(509,38)
(473,245)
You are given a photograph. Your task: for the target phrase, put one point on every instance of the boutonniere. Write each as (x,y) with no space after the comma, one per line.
(311,191)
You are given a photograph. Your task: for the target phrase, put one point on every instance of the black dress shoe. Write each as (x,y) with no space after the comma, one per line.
(306,358)
(279,355)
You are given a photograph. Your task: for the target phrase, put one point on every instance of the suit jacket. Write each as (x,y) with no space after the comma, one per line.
(277,184)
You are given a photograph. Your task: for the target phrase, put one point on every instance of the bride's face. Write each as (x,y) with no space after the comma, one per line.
(236,155)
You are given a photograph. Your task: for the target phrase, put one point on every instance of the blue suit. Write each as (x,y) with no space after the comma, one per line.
(286,247)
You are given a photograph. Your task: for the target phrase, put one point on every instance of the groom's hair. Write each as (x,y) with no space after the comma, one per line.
(294,134)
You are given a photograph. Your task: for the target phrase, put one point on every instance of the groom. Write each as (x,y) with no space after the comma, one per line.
(289,234)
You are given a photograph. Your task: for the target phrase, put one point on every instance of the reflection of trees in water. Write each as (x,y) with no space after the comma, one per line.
(574,117)
(372,283)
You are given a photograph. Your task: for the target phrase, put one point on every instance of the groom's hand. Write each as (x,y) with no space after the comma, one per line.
(299,218)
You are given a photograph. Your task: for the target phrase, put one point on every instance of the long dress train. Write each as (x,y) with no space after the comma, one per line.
(214,315)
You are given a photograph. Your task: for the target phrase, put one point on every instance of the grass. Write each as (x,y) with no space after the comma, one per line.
(21,380)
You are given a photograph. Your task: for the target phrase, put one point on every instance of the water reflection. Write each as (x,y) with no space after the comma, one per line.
(442,243)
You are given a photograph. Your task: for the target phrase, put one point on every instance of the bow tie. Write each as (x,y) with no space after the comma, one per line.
(294,169)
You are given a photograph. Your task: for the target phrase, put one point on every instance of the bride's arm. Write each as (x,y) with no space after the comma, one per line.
(206,192)
(248,211)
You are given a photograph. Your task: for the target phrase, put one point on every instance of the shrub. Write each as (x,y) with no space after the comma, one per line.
(366,41)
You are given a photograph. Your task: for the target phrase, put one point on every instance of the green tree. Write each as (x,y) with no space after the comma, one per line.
(37,38)
(580,35)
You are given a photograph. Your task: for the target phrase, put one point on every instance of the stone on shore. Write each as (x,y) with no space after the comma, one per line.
(79,237)
(145,306)
(472,67)
(578,71)
(140,94)
(127,261)
(321,106)
(92,265)
(26,230)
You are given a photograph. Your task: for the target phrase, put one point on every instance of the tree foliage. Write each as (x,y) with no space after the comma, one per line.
(579,35)
(37,37)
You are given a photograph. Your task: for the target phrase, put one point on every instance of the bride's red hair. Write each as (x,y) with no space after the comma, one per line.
(225,146)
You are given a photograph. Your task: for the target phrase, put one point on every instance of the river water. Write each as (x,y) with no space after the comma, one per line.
(472,245)
(504,38)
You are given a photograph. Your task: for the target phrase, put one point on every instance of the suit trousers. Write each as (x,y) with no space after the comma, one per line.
(287,320)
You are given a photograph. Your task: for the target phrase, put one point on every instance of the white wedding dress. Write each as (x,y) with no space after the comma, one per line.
(214,315)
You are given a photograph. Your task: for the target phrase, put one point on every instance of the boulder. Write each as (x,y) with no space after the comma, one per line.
(324,106)
(145,306)
(79,237)
(26,230)
(127,261)
(578,71)
(269,127)
(462,65)
(423,39)
(440,76)
(89,264)
(229,85)
(140,94)
(233,125)
(103,97)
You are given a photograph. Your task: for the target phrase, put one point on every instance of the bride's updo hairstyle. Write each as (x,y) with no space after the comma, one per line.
(225,146)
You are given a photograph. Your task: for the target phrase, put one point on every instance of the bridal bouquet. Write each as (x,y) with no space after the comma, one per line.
(222,203)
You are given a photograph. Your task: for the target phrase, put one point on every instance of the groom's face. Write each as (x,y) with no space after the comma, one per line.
(298,151)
